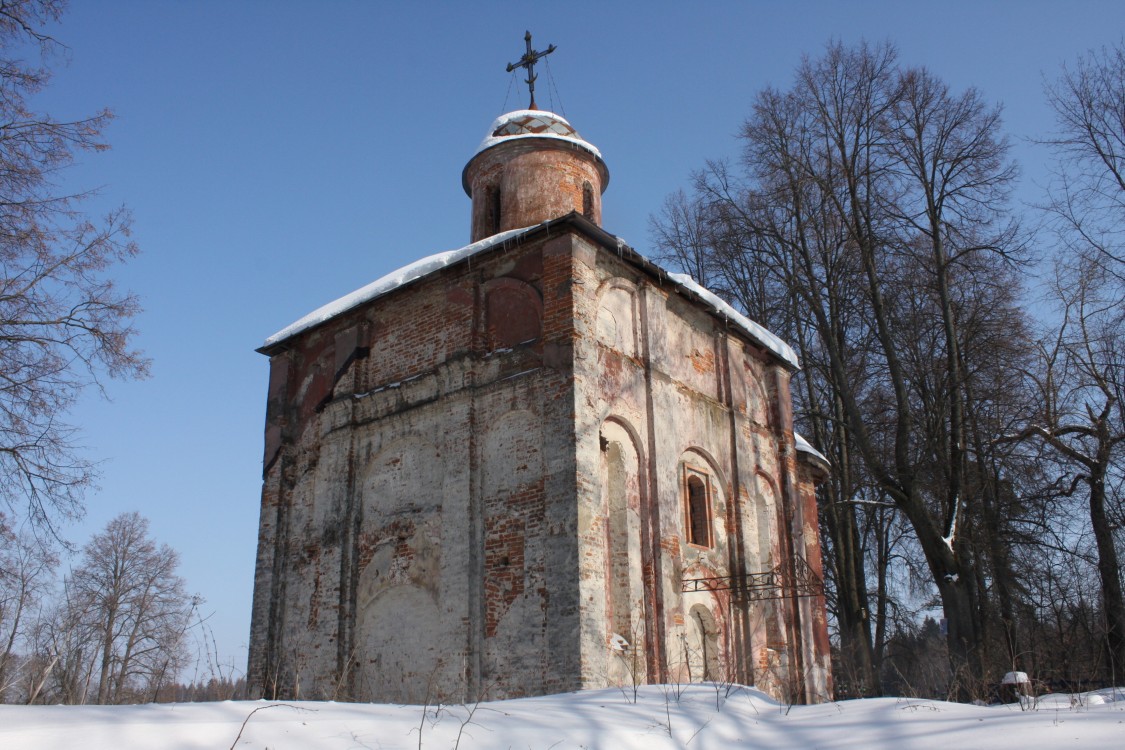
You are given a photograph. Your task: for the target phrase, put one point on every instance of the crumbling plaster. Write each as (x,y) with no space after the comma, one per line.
(472,483)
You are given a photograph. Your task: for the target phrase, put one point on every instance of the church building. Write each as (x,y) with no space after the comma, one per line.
(536,464)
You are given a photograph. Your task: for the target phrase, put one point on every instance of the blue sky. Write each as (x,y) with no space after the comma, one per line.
(277,155)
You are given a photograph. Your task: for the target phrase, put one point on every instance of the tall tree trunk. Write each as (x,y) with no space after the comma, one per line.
(1109,573)
(107,658)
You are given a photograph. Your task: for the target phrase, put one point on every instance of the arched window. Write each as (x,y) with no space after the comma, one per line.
(698,509)
(494,209)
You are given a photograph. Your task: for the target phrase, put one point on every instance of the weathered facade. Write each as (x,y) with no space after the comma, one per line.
(537,464)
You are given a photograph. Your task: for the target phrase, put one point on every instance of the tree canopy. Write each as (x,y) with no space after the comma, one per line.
(64,325)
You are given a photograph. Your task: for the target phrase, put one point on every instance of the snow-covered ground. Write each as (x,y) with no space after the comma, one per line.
(697,716)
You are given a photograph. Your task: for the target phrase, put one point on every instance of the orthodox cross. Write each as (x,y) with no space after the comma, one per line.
(528,61)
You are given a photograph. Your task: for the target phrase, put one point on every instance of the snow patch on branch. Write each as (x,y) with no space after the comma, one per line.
(952,535)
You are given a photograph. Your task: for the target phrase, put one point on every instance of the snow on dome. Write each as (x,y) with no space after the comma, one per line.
(533,123)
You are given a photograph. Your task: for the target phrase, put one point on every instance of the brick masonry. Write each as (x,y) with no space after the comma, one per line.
(475,486)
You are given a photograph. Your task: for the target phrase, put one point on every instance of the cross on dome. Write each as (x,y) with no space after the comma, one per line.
(528,61)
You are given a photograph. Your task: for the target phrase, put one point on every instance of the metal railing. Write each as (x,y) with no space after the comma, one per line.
(775,583)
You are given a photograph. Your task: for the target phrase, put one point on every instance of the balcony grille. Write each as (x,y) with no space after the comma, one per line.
(771,584)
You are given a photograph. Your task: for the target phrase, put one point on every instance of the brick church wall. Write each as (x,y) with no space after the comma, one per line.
(675,390)
(415,499)
(474,483)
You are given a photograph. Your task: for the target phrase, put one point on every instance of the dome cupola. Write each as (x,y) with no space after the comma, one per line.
(532,166)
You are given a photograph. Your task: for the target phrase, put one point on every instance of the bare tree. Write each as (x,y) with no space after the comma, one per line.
(1081,374)
(136,608)
(1081,383)
(1088,194)
(27,568)
(61,665)
(63,323)
(877,199)
(950,208)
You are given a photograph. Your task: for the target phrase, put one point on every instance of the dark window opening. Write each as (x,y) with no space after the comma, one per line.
(588,200)
(494,209)
(699,514)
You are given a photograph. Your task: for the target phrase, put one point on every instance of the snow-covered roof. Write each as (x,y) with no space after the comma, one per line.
(804,446)
(433,263)
(756,331)
(388,283)
(533,123)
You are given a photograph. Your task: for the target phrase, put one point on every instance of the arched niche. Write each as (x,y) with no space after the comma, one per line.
(703,645)
(400,538)
(588,200)
(765,521)
(399,565)
(404,477)
(617,315)
(511,478)
(621,508)
(513,313)
(759,406)
(511,453)
(400,637)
